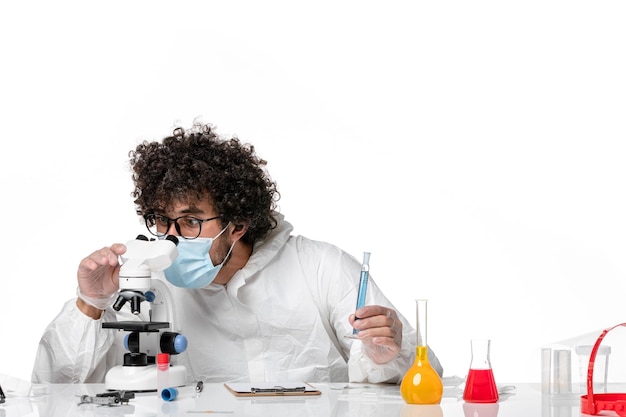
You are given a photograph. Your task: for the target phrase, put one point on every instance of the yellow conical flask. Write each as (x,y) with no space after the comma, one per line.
(421,384)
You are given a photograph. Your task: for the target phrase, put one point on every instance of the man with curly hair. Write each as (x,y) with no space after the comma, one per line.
(265,306)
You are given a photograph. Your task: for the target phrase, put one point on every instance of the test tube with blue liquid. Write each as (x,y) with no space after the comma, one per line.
(365,271)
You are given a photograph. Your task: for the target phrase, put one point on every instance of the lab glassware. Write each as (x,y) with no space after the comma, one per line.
(163,371)
(362,293)
(364,277)
(421,384)
(601,367)
(480,386)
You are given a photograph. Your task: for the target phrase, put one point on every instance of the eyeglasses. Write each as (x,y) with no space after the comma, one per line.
(188,227)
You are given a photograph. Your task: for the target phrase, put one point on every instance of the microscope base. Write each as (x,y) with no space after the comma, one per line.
(142,378)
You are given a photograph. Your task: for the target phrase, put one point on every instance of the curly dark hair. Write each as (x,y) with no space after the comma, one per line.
(197,164)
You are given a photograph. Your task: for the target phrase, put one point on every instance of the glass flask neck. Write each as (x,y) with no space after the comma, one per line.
(480,354)
(421,353)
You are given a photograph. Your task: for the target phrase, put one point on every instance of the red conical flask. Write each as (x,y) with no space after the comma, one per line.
(480,386)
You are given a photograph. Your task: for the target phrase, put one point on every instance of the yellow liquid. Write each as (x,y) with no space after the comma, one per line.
(421,383)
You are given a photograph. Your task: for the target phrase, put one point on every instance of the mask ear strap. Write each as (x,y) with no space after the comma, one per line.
(222,232)
(231,246)
(229,252)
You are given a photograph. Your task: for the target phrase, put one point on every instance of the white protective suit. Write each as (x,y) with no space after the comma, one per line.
(282,317)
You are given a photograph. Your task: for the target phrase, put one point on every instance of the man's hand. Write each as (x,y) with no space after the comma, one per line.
(98,276)
(380,331)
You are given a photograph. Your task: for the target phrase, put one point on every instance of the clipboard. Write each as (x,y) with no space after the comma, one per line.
(270,389)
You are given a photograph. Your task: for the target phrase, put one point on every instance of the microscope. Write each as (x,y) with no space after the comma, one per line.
(138,283)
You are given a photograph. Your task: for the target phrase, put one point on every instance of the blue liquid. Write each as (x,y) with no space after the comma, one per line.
(360,301)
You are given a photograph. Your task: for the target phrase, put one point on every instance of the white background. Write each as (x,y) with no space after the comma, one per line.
(476,148)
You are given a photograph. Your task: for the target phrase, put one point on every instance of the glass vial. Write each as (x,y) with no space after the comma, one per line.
(421,384)
(480,386)
(163,371)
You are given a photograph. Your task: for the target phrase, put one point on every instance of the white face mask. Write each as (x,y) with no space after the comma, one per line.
(193,267)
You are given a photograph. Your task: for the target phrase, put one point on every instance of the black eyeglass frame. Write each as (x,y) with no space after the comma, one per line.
(146,218)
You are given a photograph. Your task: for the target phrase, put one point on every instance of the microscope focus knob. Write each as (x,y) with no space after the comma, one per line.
(173,343)
(131,342)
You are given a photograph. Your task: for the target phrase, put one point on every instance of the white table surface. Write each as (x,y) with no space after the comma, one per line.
(336,400)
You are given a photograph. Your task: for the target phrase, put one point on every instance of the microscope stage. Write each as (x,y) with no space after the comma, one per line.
(136,326)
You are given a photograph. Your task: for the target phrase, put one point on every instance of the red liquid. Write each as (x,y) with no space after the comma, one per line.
(480,387)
